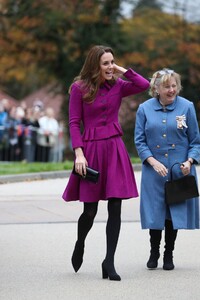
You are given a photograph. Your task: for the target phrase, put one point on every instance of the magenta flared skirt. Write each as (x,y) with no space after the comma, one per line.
(117,180)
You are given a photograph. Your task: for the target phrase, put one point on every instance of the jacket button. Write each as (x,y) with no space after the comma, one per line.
(164,121)
(158,146)
(173,145)
(164,135)
(166,155)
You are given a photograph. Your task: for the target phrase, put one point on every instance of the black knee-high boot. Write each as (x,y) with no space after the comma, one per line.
(85,223)
(170,237)
(155,238)
(112,235)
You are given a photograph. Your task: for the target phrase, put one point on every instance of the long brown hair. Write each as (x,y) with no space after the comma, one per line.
(90,75)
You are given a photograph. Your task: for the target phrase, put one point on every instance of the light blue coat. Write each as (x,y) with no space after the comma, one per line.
(157,134)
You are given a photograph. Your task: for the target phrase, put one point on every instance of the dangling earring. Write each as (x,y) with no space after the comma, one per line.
(157,93)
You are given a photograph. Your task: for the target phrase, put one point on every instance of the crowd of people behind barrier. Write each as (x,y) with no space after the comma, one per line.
(30,134)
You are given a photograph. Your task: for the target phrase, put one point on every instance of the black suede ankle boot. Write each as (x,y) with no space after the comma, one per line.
(108,271)
(77,256)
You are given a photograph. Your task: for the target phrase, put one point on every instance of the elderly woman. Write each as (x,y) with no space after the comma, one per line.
(166,132)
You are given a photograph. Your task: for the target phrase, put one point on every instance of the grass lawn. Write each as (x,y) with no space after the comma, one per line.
(10,168)
(24,167)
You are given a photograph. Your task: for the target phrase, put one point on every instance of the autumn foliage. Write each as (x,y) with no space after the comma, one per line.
(46,41)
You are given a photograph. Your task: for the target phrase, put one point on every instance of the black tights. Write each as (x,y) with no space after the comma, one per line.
(86,221)
(113,228)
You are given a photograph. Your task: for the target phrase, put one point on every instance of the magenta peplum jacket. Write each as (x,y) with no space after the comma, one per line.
(101,140)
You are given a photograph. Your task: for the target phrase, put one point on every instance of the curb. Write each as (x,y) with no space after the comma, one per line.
(43,175)
(33,176)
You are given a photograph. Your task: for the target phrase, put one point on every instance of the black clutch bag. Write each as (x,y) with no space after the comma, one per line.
(181,189)
(91,175)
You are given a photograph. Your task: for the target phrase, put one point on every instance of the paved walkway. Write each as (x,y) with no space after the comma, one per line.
(37,235)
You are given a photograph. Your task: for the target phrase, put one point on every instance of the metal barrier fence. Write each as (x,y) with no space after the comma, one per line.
(21,143)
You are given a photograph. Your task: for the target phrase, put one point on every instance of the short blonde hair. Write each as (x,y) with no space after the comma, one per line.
(162,77)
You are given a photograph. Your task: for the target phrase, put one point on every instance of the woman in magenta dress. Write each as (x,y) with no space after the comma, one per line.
(95,99)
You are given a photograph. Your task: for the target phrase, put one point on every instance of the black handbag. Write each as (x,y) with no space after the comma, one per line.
(181,189)
(91,175)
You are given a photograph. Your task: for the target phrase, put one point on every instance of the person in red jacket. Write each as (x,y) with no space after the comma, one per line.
(95,99)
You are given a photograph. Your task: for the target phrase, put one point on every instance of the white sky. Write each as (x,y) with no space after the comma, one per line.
(190,10)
